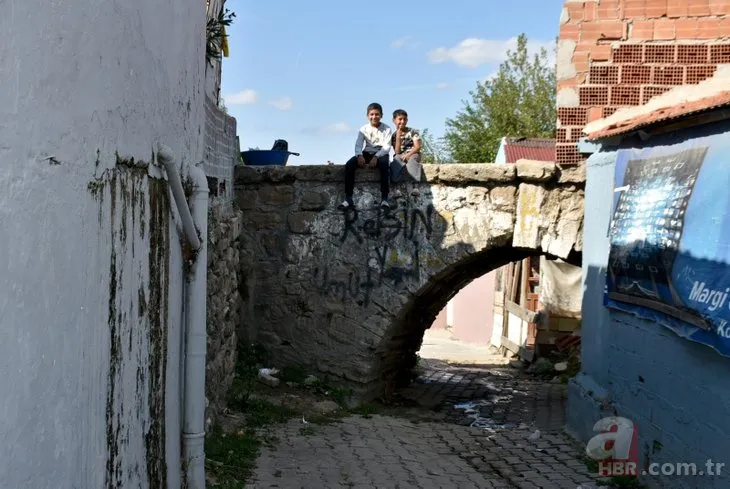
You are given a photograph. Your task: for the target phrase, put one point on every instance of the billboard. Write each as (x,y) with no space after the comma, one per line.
(669,259)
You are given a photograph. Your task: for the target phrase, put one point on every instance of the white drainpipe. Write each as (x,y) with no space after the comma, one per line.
(195,317)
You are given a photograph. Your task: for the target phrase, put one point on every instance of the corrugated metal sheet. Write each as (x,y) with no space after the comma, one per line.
(664,114)
(540,149)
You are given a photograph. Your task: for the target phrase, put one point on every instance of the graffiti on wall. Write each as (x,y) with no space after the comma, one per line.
(388,225)
(389,265)
(388,244)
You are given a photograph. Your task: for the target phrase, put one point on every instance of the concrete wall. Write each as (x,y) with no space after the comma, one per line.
(474,311)
(221,152)
(91,268)
(440,321)
(470,314)
(621,53)
(675,390)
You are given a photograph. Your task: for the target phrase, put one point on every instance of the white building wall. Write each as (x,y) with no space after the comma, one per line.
(90,274)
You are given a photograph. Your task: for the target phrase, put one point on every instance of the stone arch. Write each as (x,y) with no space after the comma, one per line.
(338,292)
(397,354)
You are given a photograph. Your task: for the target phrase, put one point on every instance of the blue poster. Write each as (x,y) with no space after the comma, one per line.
(669,260)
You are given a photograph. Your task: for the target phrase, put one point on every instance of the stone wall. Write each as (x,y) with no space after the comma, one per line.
(352,293)
(224,305)
(621,53)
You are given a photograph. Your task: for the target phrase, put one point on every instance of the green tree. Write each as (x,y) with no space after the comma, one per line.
(519,101)
(432,150)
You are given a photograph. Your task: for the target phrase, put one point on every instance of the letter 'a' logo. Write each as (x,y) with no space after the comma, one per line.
(617,440)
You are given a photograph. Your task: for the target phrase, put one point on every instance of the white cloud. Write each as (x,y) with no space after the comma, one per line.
(403,42)
(442,86)
(329,129)
(473,52)
(244,97)
(283,103)
(337,127)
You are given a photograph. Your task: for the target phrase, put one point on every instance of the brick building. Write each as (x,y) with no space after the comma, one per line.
(621,53)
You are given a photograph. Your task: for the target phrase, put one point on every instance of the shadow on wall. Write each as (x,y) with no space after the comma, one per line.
(422,259)
(383,258)
(351,293)
(399,349)
(405,286)
(641,370)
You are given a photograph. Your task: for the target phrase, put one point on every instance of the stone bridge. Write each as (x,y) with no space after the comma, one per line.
(350,294)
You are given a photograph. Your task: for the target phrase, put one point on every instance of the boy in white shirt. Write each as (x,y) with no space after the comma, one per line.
(372,148)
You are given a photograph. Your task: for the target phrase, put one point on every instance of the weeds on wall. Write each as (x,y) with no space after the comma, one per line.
(216,33)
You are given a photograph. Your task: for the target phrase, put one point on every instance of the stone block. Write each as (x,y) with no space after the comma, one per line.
(262,220)
(313,201)
(572,173)
(431,172)
(475,195)
(301,222)
(276,195)
(503,197)
(246,199)
(528,226)
(476,172)
(535,171)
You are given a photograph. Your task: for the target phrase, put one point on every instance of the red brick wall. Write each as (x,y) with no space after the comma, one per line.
(618,53)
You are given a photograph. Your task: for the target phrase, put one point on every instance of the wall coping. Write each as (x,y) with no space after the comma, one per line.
(444,173)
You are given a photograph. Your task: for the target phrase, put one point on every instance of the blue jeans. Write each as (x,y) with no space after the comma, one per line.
(412,167)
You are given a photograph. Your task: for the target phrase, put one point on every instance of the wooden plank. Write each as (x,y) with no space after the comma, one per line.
(514,290)
(520,312)
(524,281)
(506,291)
(510,345)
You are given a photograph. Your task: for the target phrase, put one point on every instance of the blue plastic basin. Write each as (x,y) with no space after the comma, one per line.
(262,157)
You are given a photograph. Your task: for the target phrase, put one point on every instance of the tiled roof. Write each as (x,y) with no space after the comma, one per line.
(540,149)
(664,114)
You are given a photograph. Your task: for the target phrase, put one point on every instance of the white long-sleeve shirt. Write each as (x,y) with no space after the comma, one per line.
(375,139)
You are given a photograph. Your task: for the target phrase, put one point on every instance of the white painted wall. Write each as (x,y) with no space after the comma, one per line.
(82,80)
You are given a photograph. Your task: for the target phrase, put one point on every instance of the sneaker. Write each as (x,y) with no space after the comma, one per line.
(397,194)
(384,204)
(346,204)
(415,192)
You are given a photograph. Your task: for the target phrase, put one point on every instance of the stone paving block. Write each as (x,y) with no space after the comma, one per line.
(383,452)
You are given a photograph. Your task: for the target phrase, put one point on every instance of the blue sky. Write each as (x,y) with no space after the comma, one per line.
(306,73)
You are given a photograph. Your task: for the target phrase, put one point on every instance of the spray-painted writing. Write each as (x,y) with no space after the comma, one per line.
(388,224)
(358,283)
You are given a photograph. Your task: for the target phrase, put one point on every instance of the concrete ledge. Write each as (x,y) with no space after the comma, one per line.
(447,173)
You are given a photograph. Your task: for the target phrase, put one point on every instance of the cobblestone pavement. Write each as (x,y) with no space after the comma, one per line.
(491,443)
(509,398)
